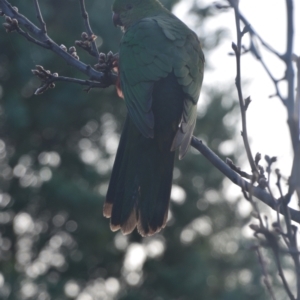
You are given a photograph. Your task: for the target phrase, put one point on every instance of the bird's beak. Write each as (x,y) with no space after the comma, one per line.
(116,19)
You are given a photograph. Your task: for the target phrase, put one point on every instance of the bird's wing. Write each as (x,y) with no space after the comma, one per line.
(149,51)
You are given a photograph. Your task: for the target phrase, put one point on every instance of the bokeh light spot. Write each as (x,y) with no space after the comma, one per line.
(133,278)
(4,200)
(23,223)
(45,174)
(187,235)
(178,194)
(112,285)
(121,241)
(155,247)
(71,289)
(135,257)
(202,225)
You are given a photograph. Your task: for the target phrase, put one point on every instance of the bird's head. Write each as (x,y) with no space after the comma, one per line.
(128,12)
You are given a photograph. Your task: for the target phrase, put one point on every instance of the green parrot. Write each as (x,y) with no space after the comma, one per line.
(160,73)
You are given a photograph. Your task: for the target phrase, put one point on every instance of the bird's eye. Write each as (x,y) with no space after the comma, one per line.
(129,7)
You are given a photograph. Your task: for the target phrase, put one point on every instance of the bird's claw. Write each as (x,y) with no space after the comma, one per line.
(107,62)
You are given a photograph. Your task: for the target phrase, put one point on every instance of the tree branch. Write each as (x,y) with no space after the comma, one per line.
(238,180)
(294,182)
(40,17)
(42,39)
(253,33)
(281,273)
(265,273)
(48,79)
(290,74)
(275,81)
(237,49)
(94,51)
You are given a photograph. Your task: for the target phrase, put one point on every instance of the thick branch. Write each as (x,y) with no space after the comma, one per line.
(238,180)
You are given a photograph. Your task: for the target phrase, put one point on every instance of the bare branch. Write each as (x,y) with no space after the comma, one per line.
(237,169)
(278,183)
(292,237)
(31,39)
(265,273)
(238,180)
(275,81)
(39,16)
(253,33)
(294,182)
(8,10)
(290,73)
(281,274)
(41,39)
(48,80)
(94,51)
(272,241)
(237,49)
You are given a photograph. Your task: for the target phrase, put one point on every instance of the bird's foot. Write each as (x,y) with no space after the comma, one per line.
(107,62)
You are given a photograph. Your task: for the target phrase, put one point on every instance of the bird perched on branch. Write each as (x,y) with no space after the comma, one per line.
(160,73)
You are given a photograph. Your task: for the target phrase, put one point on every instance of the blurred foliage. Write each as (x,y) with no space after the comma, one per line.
(56,154)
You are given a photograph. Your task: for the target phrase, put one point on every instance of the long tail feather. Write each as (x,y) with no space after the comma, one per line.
(140,186)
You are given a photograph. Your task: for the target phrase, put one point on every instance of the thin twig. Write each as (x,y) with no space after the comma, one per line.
(89,83)
(254,204)
(48,80)
(295,254)
(275,81)
(237,169)
(279,203)
(39,16)
(265,273)
(291,234)
(253,49)
(280,229)
(85,16)
(272,241)
(31,39)
(281,274)
(270,161)
(278,182)
(253,33)
(8,10)
(237,49)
